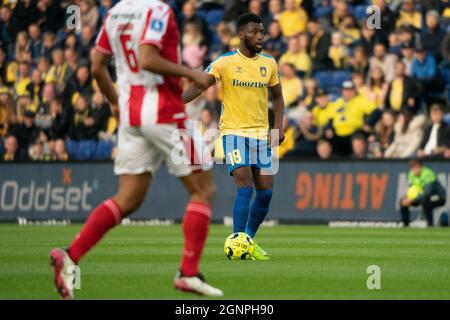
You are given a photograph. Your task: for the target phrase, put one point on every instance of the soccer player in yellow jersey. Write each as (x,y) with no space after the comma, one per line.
(247,76)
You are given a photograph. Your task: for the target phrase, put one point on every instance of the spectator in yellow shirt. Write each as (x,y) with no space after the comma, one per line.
(297,54)
(409,16)
(23,78)
(349,114)
(291,84)
(322,110)
(338,51)
(293,19)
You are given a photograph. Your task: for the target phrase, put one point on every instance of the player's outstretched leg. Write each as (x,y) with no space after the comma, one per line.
(103,218)
(259,209)
(195,229)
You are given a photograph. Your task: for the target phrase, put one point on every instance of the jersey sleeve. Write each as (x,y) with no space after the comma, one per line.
(156,26)
(275,75)
(102,43)
(216,68)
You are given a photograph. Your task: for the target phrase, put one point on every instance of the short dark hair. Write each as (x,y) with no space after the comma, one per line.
(246,18)
(415,162)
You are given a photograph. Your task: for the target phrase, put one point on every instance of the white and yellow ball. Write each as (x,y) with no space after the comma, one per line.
(239,246)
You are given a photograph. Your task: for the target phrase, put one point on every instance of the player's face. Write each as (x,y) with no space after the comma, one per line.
(253,35)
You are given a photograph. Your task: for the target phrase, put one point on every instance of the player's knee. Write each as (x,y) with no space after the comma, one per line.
(244,181)
(128,204)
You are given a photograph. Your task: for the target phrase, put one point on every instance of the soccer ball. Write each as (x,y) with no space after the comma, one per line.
(413,192)
(239,246)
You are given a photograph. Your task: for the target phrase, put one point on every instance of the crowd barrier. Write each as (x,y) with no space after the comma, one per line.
(304,192)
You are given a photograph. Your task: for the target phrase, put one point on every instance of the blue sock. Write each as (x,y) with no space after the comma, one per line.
(258,211)
(241,208)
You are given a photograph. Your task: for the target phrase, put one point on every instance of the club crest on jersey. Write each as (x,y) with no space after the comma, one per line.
(157,25)
(263,71)
(238,70)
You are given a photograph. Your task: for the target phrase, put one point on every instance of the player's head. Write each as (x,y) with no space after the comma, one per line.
(251,31)
(415,165)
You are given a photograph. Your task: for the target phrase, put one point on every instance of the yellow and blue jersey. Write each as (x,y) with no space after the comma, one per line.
(245,95)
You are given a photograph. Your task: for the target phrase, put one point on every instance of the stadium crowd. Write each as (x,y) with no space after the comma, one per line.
(350,90)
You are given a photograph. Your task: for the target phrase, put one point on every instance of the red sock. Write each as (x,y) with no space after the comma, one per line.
(195,228)
(103,218)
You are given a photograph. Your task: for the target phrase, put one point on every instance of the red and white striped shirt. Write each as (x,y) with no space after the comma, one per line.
(145,98)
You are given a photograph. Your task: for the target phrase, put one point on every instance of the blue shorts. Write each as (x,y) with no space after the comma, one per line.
(246,152)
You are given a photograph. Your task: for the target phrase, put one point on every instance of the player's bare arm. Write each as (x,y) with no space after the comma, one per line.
(99,69)
(195,90)
(278,109)
(151,60)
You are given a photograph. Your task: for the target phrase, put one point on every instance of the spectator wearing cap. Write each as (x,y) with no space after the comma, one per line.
(297,54)
(408,135)
(349,114)
(424,69)
(433,142)
(12,151)
(433,35)
(291,84)
(404,92)
(293,19)
(274,44)
(386,61)
(407,51)
(319,46)
(409,16)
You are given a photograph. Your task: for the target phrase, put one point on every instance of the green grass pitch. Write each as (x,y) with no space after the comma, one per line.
(308,262)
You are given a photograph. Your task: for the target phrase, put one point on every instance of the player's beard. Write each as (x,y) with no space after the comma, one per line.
(251,48)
